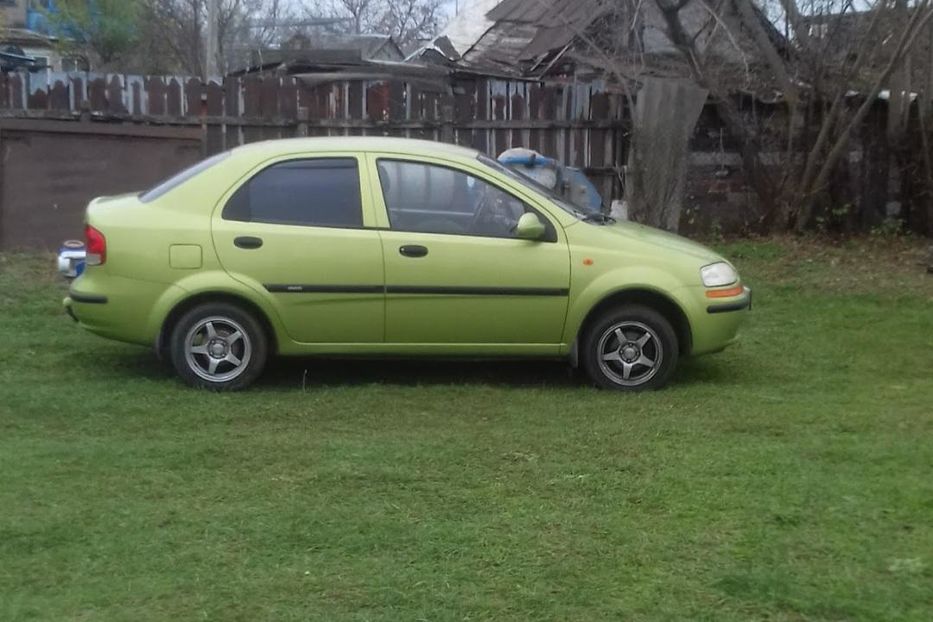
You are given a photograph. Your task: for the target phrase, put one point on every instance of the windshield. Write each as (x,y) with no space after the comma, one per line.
(558,200)
(176,180)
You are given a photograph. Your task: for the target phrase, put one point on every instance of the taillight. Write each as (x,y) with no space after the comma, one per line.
(95,245)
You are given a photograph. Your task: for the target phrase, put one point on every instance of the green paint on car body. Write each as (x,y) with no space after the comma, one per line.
(374,289)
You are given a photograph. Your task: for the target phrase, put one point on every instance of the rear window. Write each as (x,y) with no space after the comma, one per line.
(177,180)
(320,192)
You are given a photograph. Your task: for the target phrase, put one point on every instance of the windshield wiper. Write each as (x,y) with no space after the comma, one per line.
(598,218)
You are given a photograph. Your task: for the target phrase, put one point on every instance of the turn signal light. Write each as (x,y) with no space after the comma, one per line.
(95,245)
(725,293)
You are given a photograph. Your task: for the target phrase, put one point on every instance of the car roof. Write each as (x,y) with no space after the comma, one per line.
(357,143)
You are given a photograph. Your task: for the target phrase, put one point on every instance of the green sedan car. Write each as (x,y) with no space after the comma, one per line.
(391,247)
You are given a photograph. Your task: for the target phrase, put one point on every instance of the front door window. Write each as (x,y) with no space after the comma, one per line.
(427,198)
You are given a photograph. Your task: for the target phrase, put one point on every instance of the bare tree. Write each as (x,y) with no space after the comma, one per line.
(178,28)
(923,219)
(700,65)
(411,21)
(829,69)
(890,35)
(832,63)
(406,21)
(363,14)
(664,111)
(100,33)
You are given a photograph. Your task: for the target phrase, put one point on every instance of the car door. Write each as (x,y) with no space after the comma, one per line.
(455,276)
(299,229)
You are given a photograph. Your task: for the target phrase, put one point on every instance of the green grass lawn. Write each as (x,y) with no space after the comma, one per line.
(788,478)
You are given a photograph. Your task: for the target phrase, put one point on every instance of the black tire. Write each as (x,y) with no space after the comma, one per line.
(635,321)
(237,336)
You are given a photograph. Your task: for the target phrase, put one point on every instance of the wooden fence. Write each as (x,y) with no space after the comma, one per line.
(580,123)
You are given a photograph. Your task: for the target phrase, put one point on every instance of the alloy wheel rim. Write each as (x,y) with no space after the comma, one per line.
(630,353)
(217,349)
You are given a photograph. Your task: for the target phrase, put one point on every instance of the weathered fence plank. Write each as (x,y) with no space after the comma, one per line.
(580,123)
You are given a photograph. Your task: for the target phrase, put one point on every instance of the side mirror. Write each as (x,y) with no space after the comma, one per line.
(529,227)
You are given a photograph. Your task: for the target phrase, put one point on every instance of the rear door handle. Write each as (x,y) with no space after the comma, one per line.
(247,241)
(413,250)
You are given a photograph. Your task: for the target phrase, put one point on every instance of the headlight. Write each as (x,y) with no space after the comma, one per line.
(718,274)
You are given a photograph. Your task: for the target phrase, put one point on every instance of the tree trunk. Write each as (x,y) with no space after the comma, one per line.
(757,175)
(918,21)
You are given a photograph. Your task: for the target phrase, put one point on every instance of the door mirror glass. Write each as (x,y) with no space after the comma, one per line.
(529,227)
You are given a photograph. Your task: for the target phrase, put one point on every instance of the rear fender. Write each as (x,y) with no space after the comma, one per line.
(201,285)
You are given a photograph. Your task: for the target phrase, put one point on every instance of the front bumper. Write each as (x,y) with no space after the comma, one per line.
(740,303)
(715,322)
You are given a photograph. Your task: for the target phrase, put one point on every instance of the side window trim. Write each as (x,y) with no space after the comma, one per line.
(297,163)
(376,158)
(371,216)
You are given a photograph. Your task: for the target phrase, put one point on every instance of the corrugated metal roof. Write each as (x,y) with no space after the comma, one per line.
(502,45)
(519,36)
(547,12)
(519,11)
(470,24)
(525,29)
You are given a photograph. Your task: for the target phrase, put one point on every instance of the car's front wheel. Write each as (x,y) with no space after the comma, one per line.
(218,346)
(630,348)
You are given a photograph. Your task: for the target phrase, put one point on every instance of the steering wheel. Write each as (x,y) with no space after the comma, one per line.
(482,215)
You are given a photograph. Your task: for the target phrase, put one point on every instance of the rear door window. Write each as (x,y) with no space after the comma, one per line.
(318,192)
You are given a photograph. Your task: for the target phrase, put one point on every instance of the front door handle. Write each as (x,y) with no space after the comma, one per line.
(413,250)
(247,241)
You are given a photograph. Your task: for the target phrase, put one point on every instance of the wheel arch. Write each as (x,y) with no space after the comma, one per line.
(660,302)
(190,302)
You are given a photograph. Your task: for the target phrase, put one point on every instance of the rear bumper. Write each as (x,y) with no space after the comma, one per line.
(114,307)
(81,299)
(90,299)
(69,308)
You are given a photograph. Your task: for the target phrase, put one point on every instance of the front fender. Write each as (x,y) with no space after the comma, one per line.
(635,278)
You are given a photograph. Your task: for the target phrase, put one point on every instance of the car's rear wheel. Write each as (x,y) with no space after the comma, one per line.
(218,346)
(630,348)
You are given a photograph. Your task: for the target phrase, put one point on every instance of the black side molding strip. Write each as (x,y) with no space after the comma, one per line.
(726,308)
(324,289)
(91,299)
(415,289)
(477,291)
